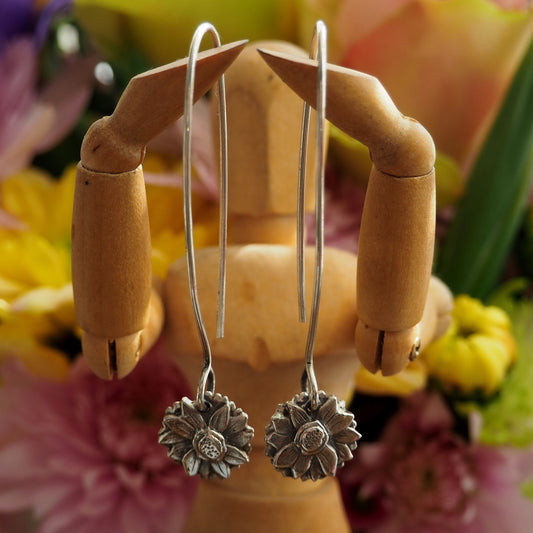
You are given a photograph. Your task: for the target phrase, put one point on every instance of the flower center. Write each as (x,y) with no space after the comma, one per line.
(210,445)
(311,437)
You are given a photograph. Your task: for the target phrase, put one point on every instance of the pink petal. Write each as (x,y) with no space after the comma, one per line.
(354,20)
(436,61)
(67,95)
(9,222)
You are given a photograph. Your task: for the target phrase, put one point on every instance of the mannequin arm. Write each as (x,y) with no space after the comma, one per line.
(397,231)
(119,313)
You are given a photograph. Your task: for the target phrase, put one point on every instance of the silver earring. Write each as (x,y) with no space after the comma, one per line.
(313,434)
(210,435)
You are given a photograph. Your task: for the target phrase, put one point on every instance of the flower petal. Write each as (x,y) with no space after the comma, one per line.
(234,456)
(191,462)
(236,424)
(301,466)
(298,415)
(344,452)
(315,471)
(327,410)
(205,470)
(277,440)
(189,410)
(347,435)
(221,468)
(286,457)
(283,426)
(179,450)
(67,95)
(180,425)
(242,439)
(166,436)
(328,460)
(403,50)
(333,417)
(220,418)
(340,421)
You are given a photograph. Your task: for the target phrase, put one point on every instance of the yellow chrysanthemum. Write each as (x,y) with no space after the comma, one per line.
(476,351)
(165,209)
(35,275)
(409,380)
(37,318)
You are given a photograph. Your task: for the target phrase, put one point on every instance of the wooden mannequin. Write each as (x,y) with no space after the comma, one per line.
(259,362)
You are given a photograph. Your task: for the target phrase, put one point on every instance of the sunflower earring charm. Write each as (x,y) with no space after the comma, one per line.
(312,435)
(210,441)
(208,436)
(311,442)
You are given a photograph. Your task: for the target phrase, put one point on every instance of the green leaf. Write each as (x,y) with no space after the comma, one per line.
(508,419)
(488,216)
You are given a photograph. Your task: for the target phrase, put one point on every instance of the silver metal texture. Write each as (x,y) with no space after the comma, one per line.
(311,443)
(313,434)
(208,436)
(318,49)
(209,440)
(207,379)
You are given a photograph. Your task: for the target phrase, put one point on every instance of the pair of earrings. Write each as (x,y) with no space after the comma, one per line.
(309,436)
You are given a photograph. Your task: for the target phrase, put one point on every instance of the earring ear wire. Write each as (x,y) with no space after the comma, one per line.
(207,381)
(209,436)
(319,50)
(312,435)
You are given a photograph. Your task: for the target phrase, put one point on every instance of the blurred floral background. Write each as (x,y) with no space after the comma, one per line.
(447,443)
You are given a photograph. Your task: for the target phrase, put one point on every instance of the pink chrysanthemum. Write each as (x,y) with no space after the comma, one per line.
(344,199)
(83,454)
(423,477)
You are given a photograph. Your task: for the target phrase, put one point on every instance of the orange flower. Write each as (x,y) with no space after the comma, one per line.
(445,63)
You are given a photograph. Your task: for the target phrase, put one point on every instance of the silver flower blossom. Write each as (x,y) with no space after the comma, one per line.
(311,443)
(208,442)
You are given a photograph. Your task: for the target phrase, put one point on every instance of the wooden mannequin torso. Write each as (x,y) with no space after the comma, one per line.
(259,362)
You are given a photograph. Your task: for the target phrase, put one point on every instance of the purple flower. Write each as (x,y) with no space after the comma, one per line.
(17,17)
(423,477)
(22,19)
(83,454)
(32,120)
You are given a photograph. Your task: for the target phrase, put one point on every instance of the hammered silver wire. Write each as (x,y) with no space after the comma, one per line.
(207,378)
(318,49)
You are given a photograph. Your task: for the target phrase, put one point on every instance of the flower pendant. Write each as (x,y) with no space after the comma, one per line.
(308,443)
(210,441)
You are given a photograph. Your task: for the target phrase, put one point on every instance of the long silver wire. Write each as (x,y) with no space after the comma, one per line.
(318,49)
(300,220)
(207,378)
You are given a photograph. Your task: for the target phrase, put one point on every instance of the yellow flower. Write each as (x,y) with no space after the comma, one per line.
(37,318)
(43,204)
(476,352)
(165,209)
(409,380)
(162,32)
(37,310)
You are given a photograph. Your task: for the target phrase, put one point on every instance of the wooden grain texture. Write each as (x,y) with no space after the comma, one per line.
(150,103)
(111,263)
(262,326)
(395,250)
(359,105)
(117,356)
(397,230)
(264,122)
(309,509)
